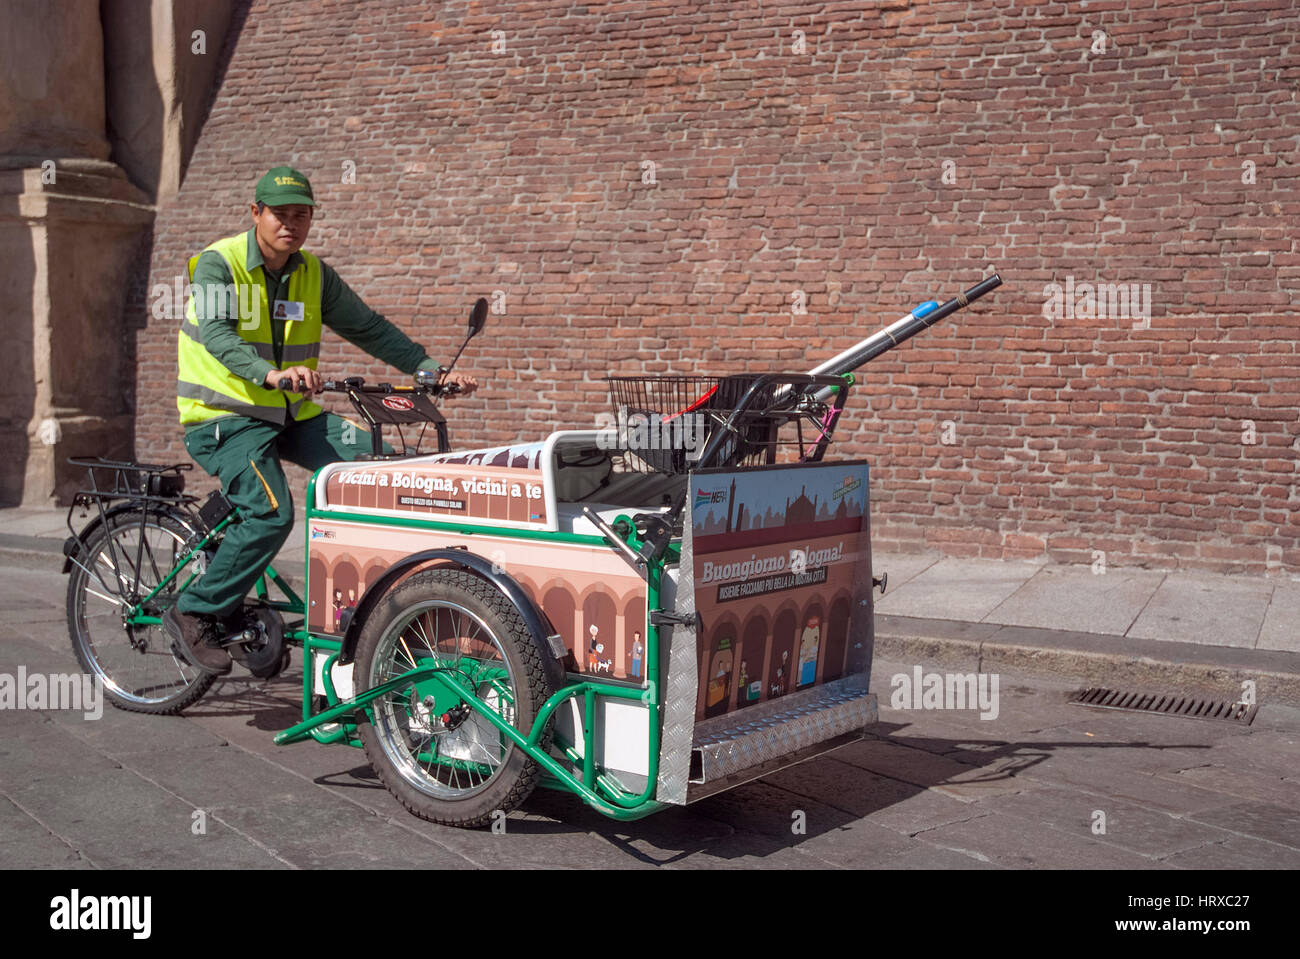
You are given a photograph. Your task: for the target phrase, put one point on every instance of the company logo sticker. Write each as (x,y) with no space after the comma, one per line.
(704,497)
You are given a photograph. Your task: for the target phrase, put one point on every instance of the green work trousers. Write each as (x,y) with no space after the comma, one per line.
(244,454)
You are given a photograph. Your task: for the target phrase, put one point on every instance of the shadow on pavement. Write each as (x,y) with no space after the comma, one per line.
(834,793)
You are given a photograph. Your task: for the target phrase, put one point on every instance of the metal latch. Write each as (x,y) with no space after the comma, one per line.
(660,618)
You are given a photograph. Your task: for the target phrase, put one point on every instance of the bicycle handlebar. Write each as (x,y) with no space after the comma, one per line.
(287,384)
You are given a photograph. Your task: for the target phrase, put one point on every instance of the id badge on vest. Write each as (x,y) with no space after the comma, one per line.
(291,311)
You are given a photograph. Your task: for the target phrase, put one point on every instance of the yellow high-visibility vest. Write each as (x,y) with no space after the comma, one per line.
(205,388)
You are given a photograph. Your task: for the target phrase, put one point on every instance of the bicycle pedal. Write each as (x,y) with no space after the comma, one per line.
(243,636)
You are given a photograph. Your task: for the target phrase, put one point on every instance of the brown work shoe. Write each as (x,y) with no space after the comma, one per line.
(191,636)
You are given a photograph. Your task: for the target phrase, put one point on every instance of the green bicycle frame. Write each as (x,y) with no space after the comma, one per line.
(292,603)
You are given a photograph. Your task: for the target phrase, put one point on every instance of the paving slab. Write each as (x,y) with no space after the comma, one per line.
(306,832)
(123,734)
(1278,716)
(998,777)
(38,521)
(927,856)
(26,844)
(736,853)
(1236,853)
(858,845)
(556,825)
(924,811)
(763,813)
(833,836)
(1281,629)
(1261,820)
(844,786)
(29,845)
(898,760)
(30,596)
(1108,785)
(1235,781)
(1011,842)
(1268,751)
(33,746)
(1206,609)
(1019,709)
(768,810)
(1127,825)
(119,821)
(1075,598)
(960,589)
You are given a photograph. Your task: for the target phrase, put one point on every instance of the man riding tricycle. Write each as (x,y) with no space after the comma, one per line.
(642,614)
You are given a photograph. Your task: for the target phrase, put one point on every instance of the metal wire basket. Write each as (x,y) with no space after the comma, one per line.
(665,422)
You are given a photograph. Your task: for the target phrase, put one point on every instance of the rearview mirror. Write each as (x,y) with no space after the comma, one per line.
(478,317)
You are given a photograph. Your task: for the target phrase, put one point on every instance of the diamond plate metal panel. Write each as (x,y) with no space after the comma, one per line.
(679,675)
(768,731)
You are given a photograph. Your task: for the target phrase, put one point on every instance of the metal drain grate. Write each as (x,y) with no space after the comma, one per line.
(1188,707)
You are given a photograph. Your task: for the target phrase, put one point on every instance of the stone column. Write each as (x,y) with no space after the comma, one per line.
(69,224)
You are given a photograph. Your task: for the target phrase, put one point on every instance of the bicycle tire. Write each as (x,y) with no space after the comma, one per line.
(139,670)
(471,773)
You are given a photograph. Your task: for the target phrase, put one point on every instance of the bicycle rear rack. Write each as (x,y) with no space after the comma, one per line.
(144,481)
(113,481)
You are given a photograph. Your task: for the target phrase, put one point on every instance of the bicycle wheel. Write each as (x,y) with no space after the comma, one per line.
(442,760)
(120,565)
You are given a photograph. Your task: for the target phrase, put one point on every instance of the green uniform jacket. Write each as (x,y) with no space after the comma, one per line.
(341,310)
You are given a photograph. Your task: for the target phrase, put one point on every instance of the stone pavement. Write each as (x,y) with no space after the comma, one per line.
(929,788)
(1042,785)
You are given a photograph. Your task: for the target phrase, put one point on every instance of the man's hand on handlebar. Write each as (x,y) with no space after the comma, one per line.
(294,379)
(459,384)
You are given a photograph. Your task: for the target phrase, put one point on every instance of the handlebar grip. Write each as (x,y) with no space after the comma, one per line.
(284,383)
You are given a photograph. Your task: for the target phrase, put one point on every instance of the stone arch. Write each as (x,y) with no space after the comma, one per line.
(319,612)
(561,608)
(837,636)
(374,569)
(633,634)
(345,576)
(752,658)
(599,612)
(718,666)
(526,584)
(781,660)
(809,642)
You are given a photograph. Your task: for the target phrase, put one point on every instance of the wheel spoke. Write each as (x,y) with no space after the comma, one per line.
(108,599)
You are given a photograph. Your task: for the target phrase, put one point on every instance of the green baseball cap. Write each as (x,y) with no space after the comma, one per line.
(282,186)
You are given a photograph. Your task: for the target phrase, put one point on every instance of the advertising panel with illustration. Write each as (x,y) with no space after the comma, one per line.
(782,564)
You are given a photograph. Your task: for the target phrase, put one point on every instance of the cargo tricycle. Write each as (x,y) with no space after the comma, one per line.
(642,614)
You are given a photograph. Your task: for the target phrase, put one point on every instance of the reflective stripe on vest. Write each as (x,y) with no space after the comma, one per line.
(206,388)
(290,355)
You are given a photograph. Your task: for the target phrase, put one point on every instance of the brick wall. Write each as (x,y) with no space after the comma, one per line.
(873,159)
